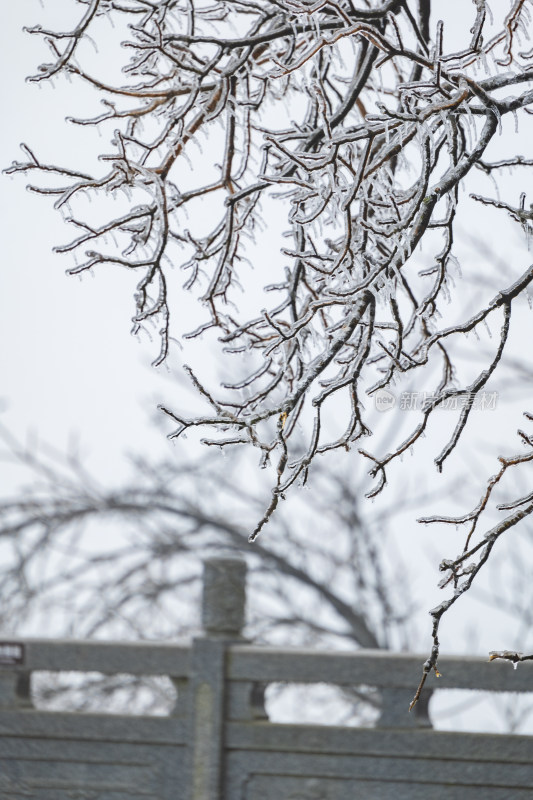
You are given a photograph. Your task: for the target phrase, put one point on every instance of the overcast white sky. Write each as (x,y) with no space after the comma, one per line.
(69,366)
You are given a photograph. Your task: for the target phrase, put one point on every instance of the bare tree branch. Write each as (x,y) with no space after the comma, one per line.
(364,129)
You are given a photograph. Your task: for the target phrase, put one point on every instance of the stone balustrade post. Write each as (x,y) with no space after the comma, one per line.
(223,611)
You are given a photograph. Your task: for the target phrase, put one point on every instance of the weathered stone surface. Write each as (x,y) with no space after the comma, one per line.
(42,768)
(224,597)
(134,658)
(374,668)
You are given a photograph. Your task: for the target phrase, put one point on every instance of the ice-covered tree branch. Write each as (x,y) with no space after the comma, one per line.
(354,128)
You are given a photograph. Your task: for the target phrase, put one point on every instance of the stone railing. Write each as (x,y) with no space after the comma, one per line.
(218,743)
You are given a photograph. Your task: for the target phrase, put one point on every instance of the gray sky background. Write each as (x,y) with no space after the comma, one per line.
(69,366)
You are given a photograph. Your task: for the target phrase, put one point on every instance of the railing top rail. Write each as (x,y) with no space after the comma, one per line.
(264,664)
(377,668)
(61,655)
